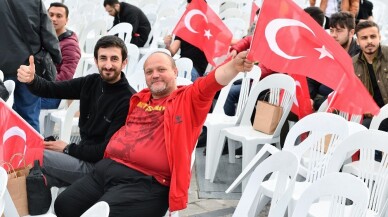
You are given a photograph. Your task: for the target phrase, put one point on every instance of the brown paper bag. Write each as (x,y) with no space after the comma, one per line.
(267,117)
(17,187)
(327,142)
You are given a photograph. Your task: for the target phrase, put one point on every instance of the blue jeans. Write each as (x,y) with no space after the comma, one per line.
(26,104)
(49,103)
(194,74)
(232,100)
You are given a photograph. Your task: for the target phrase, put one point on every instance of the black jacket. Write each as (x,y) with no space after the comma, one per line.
(139,21)
(103,109)
(39,32)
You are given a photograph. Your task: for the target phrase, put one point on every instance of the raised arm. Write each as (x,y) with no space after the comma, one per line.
(225,73)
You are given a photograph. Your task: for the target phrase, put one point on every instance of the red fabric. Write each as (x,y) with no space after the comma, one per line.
(242,44)
(185,113)
(140,144)
(201,27)
(302,106)
(288,40)
(255,7)
(18,137)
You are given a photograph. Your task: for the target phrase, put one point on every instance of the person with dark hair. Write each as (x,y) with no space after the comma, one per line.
(104,98)
(147,164)
(31,17)
(316,13)
(342,30)
(127,13)
(71,52)
(371,66)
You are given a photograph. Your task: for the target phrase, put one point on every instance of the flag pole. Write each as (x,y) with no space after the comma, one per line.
(335,92)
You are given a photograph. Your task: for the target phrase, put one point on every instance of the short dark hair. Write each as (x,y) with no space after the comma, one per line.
(111,2)
(316,13)
(366,24)
(111,41)
(342,19)
(59,4)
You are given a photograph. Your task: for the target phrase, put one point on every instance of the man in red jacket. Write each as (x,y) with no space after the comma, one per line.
(147,161)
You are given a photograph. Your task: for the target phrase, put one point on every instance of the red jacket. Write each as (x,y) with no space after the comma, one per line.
(186,111)
(71,54)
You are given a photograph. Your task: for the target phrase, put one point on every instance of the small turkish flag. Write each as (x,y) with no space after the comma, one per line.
(302,107)
(19,140)
(288,40)
(201,27)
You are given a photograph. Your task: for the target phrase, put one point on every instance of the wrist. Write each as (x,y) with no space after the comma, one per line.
(66,149)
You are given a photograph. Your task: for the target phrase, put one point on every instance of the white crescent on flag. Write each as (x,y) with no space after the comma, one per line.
(188,17)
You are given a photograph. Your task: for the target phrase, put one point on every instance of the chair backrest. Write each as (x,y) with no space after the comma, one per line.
(373,173)
(184,65)
(90,34)
(320,143)
(281,93)
(246,77)
(376,120)
(123,31)
(231,12)
(285,165)
(100,209)
(1,76)
(10,85)
(350,117)
(237,26)
(133,58)
(335,188)
(3,187)
(68,121)
(162,28)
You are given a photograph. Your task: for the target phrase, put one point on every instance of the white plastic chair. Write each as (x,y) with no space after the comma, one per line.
(184,65)
(350,117)
(123,31)
(100,209)
(217,120)
(1,76)
(334,189)
(133,59)
(376,120)
(3,187)
(373,173)
(237,26)
(231,13)
(10,85)
(284,165)
(251,139)
(311,147)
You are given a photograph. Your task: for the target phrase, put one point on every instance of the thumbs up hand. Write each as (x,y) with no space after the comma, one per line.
(27,73)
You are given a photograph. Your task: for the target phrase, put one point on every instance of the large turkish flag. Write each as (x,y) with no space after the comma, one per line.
(287,39)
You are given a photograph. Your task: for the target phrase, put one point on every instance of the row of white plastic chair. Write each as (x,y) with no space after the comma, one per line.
(315,162)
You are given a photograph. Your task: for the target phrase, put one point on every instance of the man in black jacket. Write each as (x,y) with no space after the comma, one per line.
(33,19)
(104,104)
(126,13)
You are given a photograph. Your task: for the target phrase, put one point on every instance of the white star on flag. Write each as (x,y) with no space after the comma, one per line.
(324,52)
(208,34)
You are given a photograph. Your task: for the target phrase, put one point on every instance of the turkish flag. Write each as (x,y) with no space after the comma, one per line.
(201,27)
(302,107)
(288,40)
(18,137)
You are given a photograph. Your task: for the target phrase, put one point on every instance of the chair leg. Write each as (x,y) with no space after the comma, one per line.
(217,155)
(211,142)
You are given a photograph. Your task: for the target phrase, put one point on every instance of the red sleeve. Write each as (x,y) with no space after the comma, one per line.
(242,45)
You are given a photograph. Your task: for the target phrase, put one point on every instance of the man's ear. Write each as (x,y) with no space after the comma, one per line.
(125,62)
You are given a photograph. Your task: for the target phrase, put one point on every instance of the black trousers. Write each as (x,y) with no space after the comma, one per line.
(127,191)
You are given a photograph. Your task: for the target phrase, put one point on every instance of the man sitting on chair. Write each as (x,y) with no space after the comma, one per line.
(104,105)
